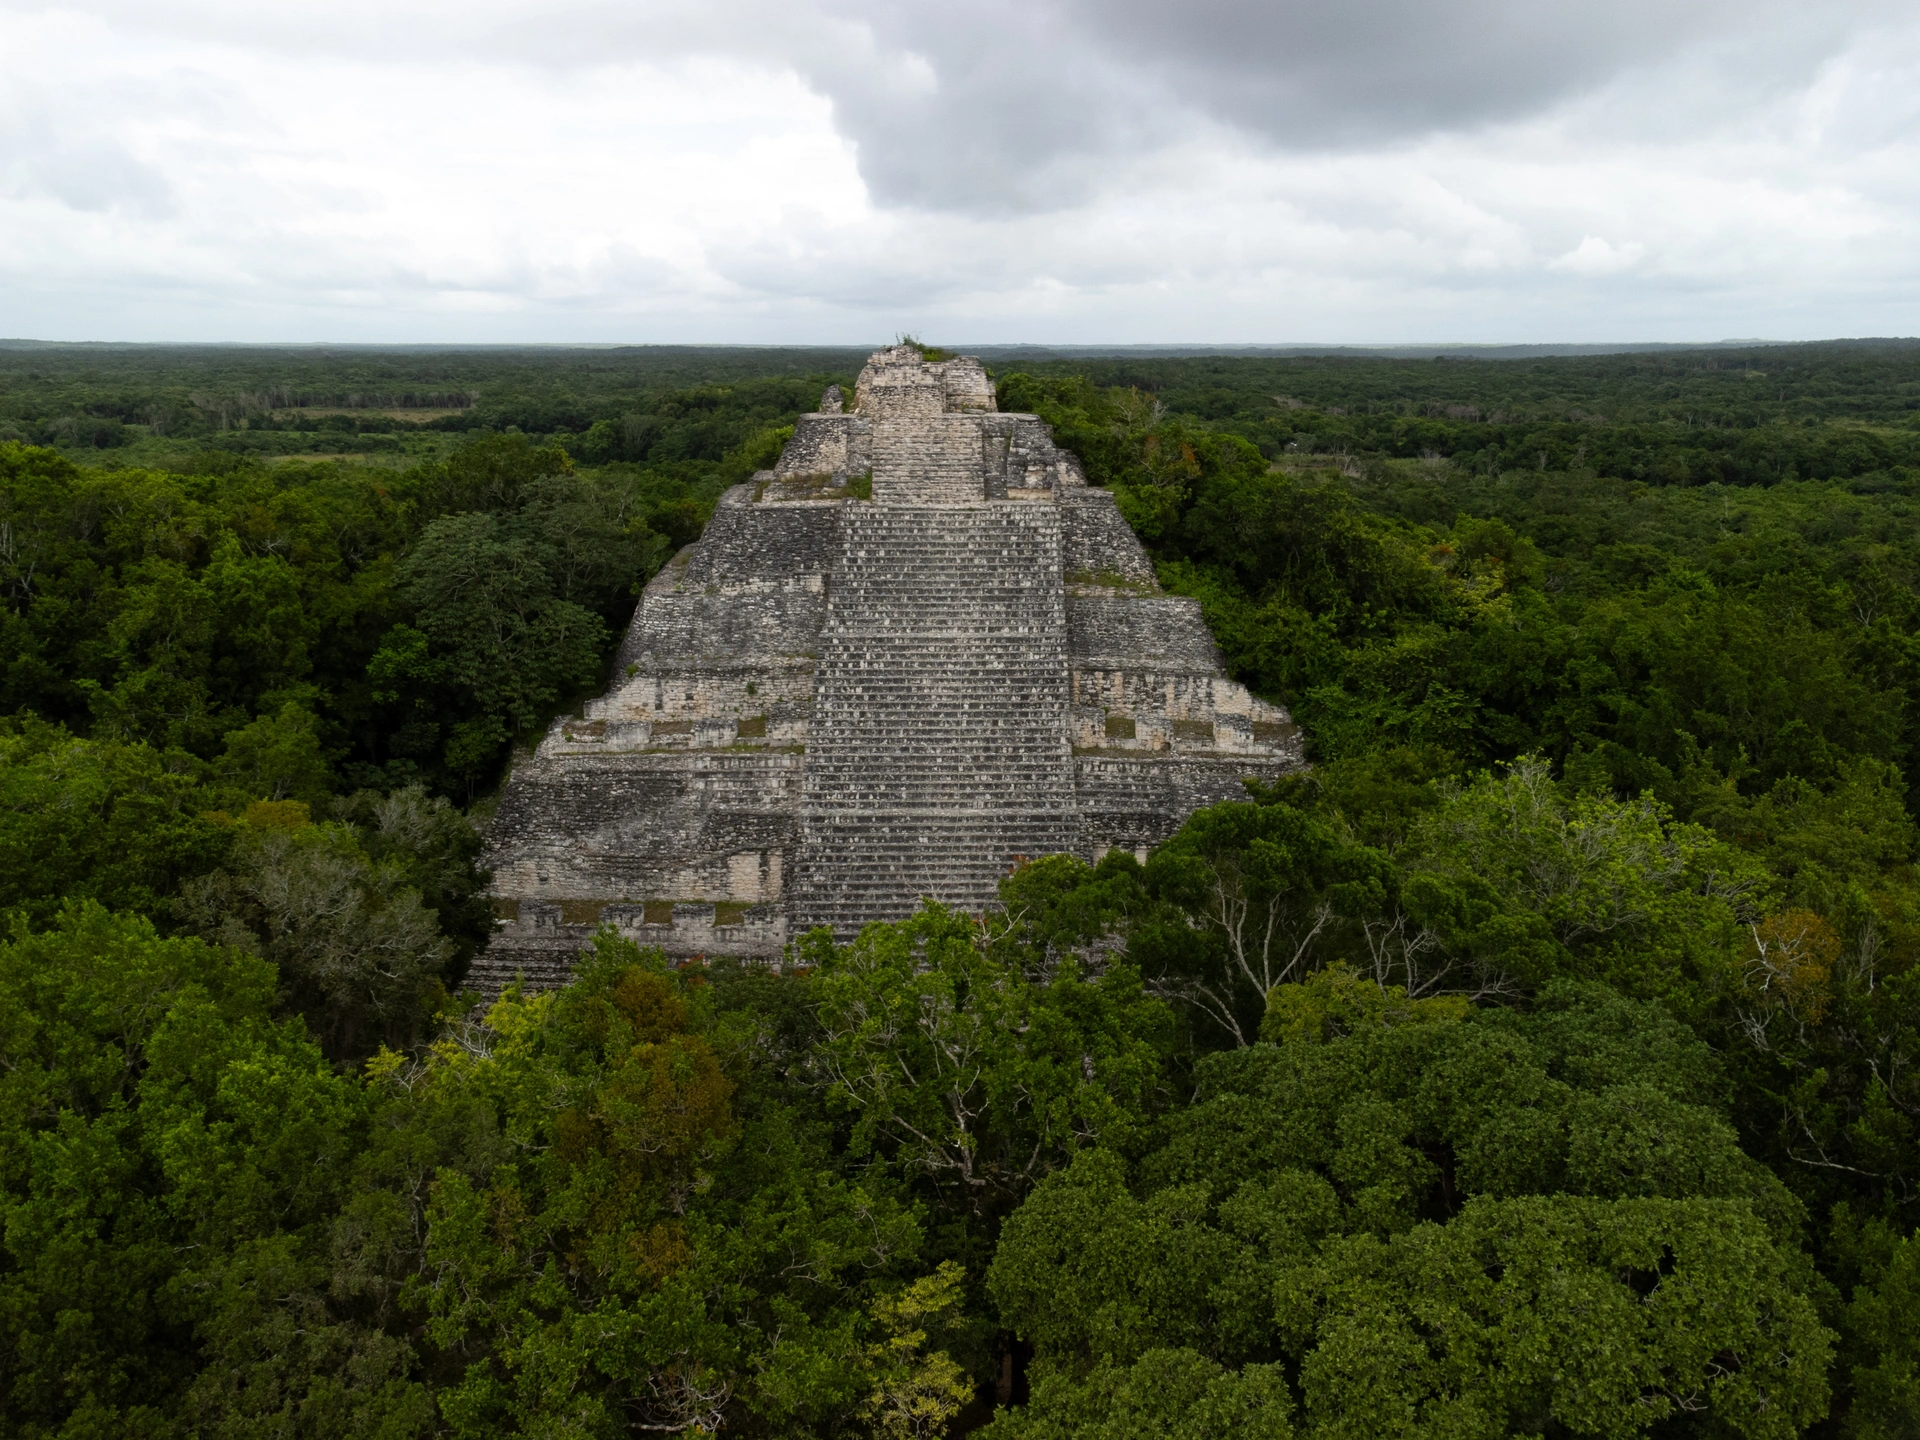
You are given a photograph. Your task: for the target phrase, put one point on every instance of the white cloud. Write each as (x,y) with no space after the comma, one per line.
(586,170)
(1593,256)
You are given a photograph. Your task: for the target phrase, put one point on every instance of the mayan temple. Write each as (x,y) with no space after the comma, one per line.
(831,706)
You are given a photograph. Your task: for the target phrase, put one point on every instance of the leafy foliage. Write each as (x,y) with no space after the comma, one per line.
(174,1156)
(956,1062)
(1539,1063)
(1485,1226)
(312,628)
(359,954)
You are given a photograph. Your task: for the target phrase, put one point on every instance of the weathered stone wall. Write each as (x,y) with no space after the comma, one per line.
(828,445)
(830,707)
(1101,549)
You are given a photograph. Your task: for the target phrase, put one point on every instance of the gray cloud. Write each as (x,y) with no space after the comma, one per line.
(75,166)
(1015,106)
(1316,72)
(1035,106)
(91,176)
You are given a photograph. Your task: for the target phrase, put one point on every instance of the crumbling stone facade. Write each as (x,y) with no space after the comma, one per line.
(831,706)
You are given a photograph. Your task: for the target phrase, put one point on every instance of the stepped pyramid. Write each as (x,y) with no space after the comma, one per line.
(831,706)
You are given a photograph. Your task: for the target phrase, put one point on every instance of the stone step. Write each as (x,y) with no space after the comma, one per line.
(938,751)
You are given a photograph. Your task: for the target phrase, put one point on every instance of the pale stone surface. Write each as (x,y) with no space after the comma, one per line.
(830,707)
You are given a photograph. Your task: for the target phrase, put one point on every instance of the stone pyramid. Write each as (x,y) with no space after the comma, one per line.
(831,706)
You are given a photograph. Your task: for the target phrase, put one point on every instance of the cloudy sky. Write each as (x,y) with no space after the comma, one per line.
(1006,170)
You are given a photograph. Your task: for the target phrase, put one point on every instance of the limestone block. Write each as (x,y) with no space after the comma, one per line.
(1101,549)
(1134,802)
(1114,630)
(826,444)
(966,384)
(714,623)
(775,687)
(745,542)
(897,381)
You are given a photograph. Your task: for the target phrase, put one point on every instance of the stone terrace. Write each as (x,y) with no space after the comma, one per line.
(830,707)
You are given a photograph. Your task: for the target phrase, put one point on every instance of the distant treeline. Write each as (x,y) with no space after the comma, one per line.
(103,397)
(1689,418)
(1785,413)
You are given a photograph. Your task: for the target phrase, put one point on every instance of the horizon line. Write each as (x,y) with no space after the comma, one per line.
(30,342)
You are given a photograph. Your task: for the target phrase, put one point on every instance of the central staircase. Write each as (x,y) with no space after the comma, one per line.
(926,460)
(937,755)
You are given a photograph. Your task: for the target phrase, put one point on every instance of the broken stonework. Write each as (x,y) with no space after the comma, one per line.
(831,706)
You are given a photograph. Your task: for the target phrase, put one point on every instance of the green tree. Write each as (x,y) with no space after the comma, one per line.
(1176,1393)
(1656,905)
(490,634)
(358,953)
(1480,1225)
(120,823)
(917,1392)
(957,1066)
(1270,885)
(172,1159)
(435,846)
(1882,1345)
(277,757)
(594,1235)
(1596,1318)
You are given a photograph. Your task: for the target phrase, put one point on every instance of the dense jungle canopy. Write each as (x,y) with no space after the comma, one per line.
(1540,1063)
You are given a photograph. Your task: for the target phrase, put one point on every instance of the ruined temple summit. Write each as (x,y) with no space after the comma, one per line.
(833,705)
